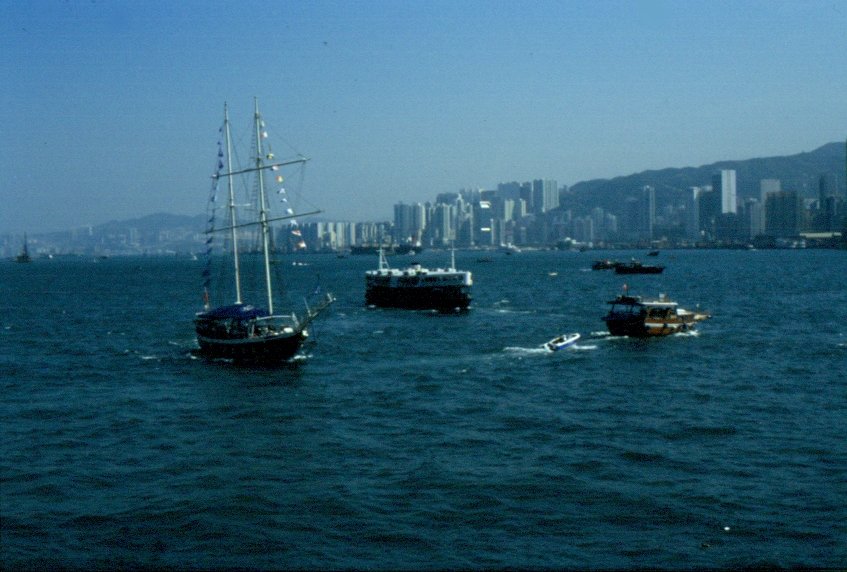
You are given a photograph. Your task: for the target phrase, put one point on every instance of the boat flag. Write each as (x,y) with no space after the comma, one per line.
(279,178)
(296,232)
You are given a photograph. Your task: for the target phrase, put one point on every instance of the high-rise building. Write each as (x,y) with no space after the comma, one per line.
(752,224)
(649,211)
(783,214)
(409,222)
(724,184)
(545,196)
(692,213)
(768,186)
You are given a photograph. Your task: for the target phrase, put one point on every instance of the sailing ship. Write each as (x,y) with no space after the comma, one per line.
(24,255)
(418,288)
(243,332)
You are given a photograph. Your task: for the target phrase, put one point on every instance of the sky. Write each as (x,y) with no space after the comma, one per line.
(110,110)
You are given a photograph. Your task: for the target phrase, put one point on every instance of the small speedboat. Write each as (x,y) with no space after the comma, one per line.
(561,342)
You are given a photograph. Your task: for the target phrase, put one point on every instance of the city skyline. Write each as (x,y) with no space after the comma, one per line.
(111,109)
(536,214)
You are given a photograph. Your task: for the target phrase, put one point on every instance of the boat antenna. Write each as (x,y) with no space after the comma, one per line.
(233,234)
(383,263)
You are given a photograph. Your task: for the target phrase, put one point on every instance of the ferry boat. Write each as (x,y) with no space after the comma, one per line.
(418,288)
(638,317)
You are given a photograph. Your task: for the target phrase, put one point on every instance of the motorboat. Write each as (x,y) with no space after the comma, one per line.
(561,342)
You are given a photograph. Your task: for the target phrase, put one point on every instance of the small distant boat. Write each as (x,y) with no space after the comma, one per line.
(561,342)
(638,317)
(604,264)
(636,267)
(387,248)
(653,253)
(24,256)
(418,288)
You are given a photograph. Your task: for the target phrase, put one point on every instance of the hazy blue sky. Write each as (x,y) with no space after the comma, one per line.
(110,109)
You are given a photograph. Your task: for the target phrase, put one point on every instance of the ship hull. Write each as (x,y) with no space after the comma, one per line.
(624,269)
(440,298)
(638,328)
(255,350)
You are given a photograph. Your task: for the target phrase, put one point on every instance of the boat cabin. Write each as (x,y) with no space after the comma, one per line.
(240,321)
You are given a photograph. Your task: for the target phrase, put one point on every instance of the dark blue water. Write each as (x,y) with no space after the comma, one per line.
(414,440)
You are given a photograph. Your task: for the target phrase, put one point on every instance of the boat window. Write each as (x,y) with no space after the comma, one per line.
(659,313)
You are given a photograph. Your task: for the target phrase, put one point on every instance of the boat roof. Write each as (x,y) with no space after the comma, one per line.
(237,311)
(417,270)
(638,300)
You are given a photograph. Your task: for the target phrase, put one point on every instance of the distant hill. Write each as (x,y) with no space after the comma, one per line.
(156,222)
(152,234)
(799,172)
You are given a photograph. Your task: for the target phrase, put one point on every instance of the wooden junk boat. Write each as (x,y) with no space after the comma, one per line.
(639,317)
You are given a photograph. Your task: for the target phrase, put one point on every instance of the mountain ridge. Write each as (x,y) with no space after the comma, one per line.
(798,172)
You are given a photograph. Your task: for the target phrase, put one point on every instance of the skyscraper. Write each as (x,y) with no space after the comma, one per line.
(692,213)
(783,214)
(724,183)
(768,186)
(409,222)
(545,196)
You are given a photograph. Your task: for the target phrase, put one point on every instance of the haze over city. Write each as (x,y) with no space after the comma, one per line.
(111,110)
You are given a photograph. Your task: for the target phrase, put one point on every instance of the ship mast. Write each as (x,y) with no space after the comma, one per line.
(233,225)
(263,209)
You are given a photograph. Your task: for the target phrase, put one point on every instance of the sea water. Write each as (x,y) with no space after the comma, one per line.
(419,440)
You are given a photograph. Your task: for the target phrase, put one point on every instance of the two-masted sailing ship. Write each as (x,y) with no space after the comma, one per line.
(241,331)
